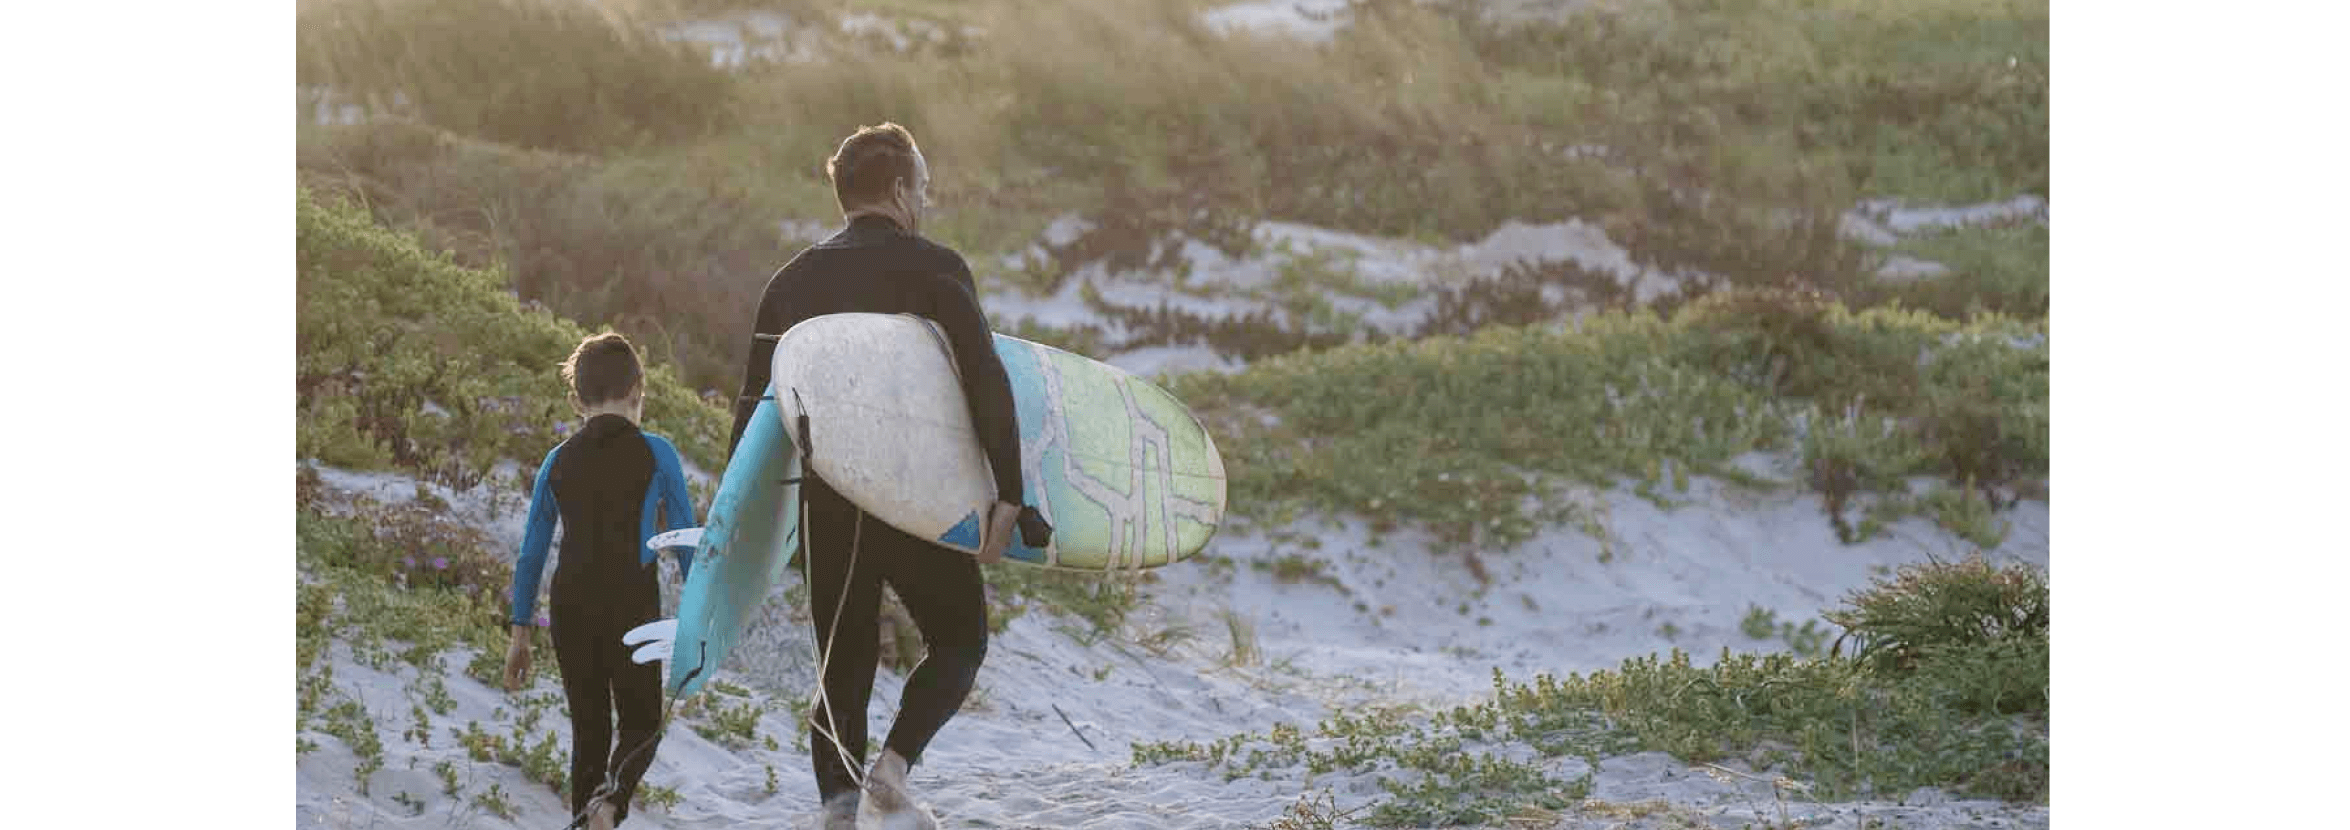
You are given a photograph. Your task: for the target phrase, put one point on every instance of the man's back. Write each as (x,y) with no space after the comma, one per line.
(874,266)
(870,266)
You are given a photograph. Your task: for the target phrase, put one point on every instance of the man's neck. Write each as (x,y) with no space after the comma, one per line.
(885,214)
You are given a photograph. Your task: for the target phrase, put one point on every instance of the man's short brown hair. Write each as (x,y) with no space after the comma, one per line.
(869,163)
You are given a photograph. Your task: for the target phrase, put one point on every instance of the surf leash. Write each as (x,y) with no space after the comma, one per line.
(830,729)
(612,773)
(668,715)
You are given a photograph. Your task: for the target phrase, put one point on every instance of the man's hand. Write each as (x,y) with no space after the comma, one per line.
(518,659)
(1002,517)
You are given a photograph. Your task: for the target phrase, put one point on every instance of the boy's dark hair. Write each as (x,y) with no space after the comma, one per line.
(869,163)
(603,369)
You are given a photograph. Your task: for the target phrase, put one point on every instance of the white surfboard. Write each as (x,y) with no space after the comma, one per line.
(1124,472)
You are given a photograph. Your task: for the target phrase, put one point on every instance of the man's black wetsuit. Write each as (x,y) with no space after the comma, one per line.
(875,266)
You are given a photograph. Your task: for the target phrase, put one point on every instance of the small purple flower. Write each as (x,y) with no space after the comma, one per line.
(440,563)
(409,562)
(562,428)
(542,620)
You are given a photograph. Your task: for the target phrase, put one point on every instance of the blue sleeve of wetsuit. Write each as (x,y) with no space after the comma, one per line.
(676,503)
(537,534)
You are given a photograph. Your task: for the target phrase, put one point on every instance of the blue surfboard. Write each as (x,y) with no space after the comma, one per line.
(746,544)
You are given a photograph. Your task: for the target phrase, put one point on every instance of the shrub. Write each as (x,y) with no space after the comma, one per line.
(453,591)
(674,259)
(1475,436)
(1966,609)
(406,360)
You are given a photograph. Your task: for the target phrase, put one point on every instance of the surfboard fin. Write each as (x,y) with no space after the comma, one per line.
(655,630)
(688,537)
(652,652)
(654,640)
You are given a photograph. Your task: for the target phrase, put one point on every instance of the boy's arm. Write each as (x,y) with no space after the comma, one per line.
(537,534)
(676,501)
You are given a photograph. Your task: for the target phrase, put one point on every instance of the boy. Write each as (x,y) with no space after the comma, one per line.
(612,486)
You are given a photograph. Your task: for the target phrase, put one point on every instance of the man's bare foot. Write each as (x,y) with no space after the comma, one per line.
(888,798)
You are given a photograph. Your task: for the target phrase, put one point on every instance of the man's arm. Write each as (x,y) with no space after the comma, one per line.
(986,388)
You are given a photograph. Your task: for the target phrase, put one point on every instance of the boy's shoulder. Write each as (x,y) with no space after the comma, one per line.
(650,437)
(658,441)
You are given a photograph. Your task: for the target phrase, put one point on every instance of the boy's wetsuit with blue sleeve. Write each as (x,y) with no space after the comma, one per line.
(667,487)
(612,486)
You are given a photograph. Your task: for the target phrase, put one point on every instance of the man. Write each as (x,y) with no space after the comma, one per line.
(879,263)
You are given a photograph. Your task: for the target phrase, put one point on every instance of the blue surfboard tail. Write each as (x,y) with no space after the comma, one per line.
(964,534)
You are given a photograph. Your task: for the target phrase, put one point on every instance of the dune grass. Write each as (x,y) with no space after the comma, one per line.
(1719,136)
(2002,269)
(1970,715)
(1478,437)
(538,74)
